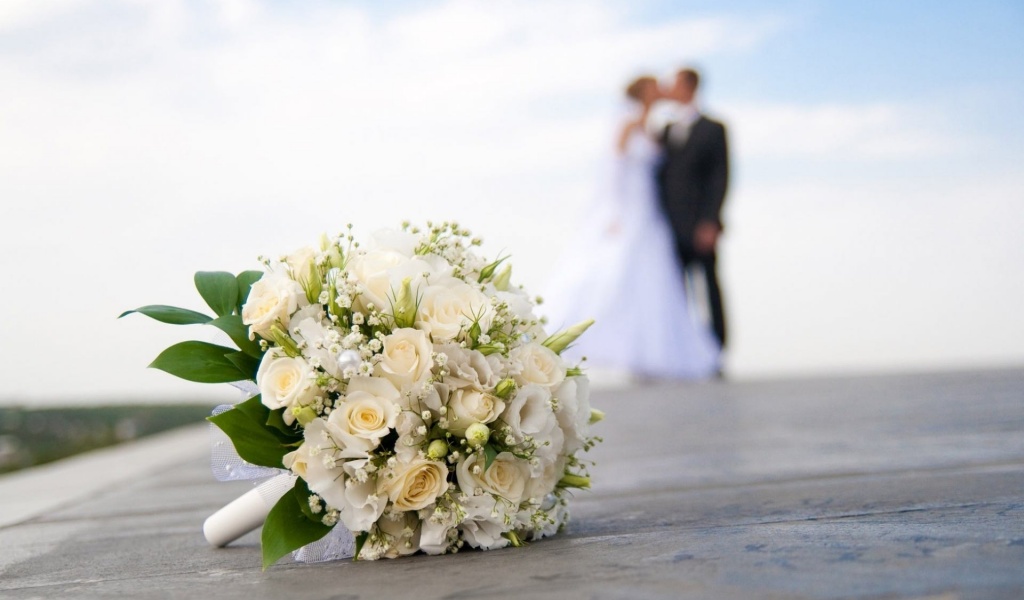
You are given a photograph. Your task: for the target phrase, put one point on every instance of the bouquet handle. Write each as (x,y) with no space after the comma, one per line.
(247,512)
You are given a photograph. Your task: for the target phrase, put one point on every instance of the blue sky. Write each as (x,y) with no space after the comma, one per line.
(872,220)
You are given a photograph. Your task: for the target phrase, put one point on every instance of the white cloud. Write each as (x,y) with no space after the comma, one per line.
(144,141)
(875,131)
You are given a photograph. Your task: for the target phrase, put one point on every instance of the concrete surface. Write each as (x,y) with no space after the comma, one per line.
(908,486)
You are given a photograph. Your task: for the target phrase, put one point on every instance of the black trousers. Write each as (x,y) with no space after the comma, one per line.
(707,263)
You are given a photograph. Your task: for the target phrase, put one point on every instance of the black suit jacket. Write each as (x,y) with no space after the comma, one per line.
(693,177)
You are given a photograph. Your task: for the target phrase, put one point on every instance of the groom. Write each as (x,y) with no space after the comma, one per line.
(692,181)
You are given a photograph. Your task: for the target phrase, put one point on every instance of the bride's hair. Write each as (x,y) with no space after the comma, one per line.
(635,89)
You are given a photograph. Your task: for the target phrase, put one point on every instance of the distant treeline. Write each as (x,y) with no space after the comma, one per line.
(31,437)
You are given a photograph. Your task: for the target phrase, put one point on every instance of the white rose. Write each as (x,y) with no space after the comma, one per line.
(537,364)
(285,382)
(366,414)
(271,299)
(467,406)
(373,271)
(484,523)
(506,477)
(415,485)
(301,263)
(449,308)
(406,358)
(574,411)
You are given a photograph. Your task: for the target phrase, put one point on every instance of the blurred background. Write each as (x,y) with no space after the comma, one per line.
(873,223)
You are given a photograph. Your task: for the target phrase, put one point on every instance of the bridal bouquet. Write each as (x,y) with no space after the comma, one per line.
(406,386)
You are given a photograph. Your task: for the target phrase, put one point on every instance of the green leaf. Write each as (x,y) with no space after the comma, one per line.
(302,494)
(254,441)
(287,529)
(169,314)
(360,542)
(489,455)
(245,280)
(199,361)
(275,419)
(245,363)
(239,334)
(219,289)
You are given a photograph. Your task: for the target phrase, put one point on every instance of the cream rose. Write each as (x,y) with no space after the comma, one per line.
(467,406)
(415,485)
(450,307)
(301,264)
(506,477)
(406,358)
(537,364)
(373,271)
(285,382)
(367,413)
(271,299)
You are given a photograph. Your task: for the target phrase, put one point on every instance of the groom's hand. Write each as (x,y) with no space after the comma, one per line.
(705,237)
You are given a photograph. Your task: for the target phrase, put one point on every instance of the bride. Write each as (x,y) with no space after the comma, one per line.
(622,271)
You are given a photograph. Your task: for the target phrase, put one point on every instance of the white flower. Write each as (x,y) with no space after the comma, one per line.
(381,272)
(470,367)
(393,240)
(537,364)
(301,264)
(361,504)
(319,343)
(467,406)
(325,465)
(401,536)
(406,358)
(373,270)
(415,485)
(574,411)
(285,382)
(436,530)
(366,414)
(484,523)
(450,307)
(544,477)
(410,441)
(271,299)
(529,412)
(506,477)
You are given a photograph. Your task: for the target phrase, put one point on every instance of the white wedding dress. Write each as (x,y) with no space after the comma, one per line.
(622,271)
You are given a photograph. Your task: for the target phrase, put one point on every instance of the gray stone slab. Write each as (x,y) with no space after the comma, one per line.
(872,487)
